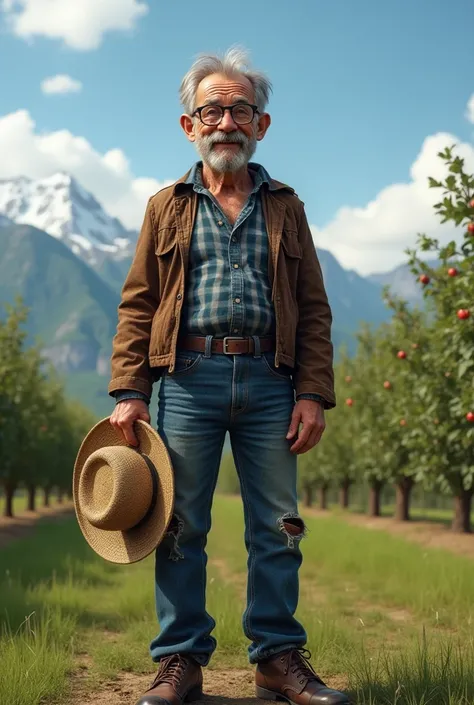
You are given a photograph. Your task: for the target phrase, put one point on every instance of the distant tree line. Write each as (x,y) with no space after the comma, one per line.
(40,429)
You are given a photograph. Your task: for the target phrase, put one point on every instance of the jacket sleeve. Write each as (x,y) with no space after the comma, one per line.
(140,299)
(314,372)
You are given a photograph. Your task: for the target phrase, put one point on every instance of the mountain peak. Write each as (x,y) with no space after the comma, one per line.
(62,207)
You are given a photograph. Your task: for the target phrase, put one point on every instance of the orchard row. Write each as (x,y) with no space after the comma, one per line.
(405,413)
(40,430)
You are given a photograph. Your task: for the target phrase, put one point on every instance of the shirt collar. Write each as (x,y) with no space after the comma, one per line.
(259,173)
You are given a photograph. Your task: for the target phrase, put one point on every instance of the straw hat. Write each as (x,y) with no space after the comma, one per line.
(123,496)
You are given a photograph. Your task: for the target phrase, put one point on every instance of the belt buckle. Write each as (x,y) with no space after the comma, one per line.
(225,342)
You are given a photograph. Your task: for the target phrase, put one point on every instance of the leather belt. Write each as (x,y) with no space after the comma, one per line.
(230,345)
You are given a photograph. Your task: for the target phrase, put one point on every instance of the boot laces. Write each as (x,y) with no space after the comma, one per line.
(298,663)
(171,671)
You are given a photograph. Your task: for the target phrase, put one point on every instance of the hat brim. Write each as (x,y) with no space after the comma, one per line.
(137,543)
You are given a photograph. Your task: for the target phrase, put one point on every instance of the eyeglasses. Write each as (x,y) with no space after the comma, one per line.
(242,113)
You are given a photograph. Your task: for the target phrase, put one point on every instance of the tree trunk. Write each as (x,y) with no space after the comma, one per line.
(47,493)
(323,497)
(9,489)
(462,512)
(308,496)
(404,487)
(374,498)
(344,494)
(31,498)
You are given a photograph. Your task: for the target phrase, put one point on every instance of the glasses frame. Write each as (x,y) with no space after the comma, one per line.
(230,108)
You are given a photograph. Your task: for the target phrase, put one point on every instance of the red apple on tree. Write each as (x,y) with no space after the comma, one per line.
(403,422)
(470,228)
(349,402)
(348,378)
(387,385)
(414,346)
(470,416)
(471,203)
(452,271)
(463,314)
(424,279)
(401,354)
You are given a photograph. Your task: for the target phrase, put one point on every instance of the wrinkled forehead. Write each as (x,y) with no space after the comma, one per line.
(225,90)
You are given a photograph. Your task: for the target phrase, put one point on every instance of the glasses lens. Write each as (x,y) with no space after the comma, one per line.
(242,114)
(211,114)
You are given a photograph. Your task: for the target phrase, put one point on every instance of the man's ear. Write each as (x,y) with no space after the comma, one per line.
(187,123)
(264,122)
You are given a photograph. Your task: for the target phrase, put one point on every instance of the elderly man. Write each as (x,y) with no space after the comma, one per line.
(225,304)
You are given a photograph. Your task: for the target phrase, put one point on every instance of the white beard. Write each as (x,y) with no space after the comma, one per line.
(221,161)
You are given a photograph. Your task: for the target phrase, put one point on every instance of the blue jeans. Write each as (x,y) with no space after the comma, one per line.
(202,399)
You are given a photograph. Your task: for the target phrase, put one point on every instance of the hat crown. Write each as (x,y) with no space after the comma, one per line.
(115,488)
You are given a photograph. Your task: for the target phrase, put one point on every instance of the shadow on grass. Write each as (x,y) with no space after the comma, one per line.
(55,558)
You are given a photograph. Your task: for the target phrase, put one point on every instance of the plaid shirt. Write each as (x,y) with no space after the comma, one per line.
(228,291)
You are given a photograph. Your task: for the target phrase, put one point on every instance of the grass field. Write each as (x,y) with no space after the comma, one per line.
(20,502)
(388,620)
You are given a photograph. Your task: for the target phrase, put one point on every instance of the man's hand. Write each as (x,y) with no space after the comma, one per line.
(125,414)
(311,415)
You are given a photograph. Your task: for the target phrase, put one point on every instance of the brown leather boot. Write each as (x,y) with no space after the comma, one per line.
(179,680)
(290,676)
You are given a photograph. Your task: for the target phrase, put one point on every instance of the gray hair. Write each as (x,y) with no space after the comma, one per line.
(234,61)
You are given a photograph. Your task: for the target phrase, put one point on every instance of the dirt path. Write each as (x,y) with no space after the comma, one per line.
(220,687)
(25,522)
(427,533)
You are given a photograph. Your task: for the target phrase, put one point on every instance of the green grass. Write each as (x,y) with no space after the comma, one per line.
(58,600)
(20,502)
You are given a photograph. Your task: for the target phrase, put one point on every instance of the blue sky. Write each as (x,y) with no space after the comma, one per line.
(358,87)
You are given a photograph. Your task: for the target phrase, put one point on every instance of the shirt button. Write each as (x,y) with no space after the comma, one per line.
(237,301)
(236,266)
(236,330)
(220,222)
(179,297)
(234,239)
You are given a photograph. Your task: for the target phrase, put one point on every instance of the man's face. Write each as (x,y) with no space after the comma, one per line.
(228,146)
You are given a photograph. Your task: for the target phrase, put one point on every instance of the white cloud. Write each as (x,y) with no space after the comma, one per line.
(80,24)
(470,109)
(373,238)
(25,152)
(60,84)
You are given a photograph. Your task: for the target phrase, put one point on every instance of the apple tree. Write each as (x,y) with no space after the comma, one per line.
(448,385)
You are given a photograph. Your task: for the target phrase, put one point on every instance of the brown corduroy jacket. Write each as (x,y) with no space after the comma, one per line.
(153,293)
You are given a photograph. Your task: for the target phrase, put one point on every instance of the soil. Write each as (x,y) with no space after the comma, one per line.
(427,533)
(221,687)
(234,686)
(24,523)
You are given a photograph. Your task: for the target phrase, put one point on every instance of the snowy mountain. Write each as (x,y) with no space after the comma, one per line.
(60,206)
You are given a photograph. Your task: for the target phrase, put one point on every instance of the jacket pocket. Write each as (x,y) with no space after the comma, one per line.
(289,266)
(165,241)
(290,244)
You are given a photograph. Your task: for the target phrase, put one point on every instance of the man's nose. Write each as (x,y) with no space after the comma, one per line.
(227,123)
